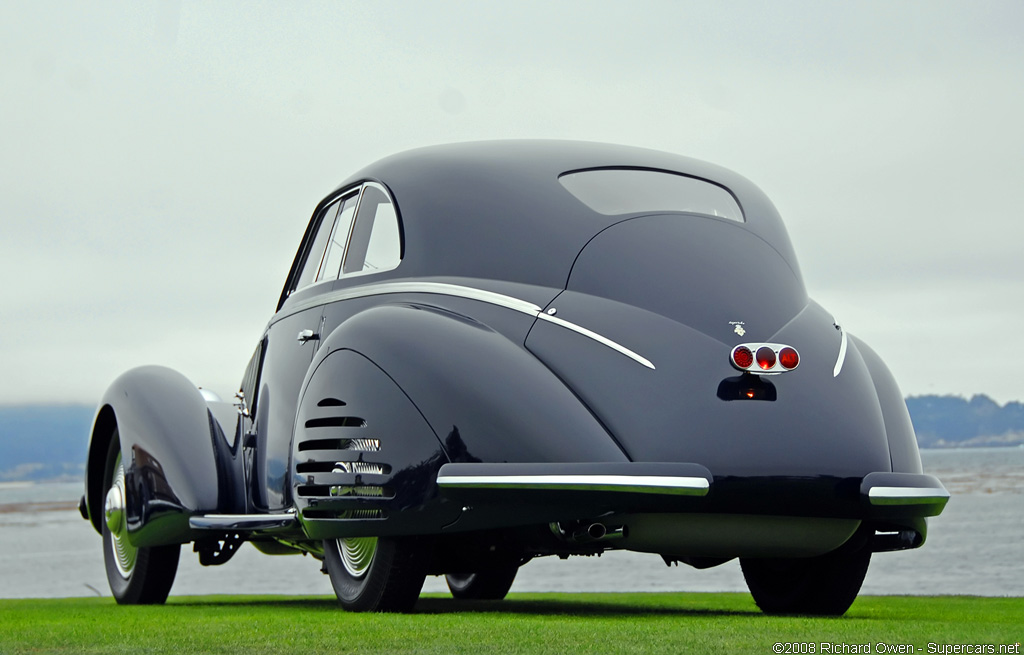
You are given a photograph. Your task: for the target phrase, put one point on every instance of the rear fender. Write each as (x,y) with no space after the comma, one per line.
(426,387)
(179,453)
(899,430)
(680,411)
(470,380)
(364,461)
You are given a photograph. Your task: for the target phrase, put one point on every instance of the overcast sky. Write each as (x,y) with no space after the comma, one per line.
(160,160)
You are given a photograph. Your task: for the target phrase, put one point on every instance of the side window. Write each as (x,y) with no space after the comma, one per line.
(336,246)
(375,244)
(316,250)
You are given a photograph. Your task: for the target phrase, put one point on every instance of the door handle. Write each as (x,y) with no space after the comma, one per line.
(307,335)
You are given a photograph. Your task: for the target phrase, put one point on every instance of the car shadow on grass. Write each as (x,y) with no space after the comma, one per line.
(564,607)
(440,605)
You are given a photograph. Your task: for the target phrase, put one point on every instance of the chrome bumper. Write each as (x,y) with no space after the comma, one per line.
(881,494)
(659,479)
(912,490)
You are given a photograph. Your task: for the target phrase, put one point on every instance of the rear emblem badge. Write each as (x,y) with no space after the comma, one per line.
(738,327)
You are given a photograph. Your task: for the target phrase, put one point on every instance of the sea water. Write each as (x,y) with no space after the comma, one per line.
(974,547)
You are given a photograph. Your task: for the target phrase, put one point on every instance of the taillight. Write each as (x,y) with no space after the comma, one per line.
(765,358)
(742,357)
(789,358)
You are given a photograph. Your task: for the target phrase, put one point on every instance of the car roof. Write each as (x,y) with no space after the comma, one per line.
(496,209)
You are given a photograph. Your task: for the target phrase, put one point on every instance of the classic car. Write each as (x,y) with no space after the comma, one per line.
(490,352)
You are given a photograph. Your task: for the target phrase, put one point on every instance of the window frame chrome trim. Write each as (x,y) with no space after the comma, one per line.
(356,191)
(358,194)
(351,228)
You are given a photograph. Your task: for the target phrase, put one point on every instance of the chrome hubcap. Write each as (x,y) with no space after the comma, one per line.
(357,554)
(124,552)
(114,509)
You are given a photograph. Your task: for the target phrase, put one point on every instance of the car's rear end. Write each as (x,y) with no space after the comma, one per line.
(629,359)
(754,426)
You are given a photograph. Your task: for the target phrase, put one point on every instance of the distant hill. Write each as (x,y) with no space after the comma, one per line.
(44,442)
(955,422)
(49,442)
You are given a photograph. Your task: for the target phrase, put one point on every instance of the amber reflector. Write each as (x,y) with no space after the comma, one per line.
(765,357)
(789,358)
(743,357)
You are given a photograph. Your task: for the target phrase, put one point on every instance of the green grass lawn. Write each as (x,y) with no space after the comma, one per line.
(523,623)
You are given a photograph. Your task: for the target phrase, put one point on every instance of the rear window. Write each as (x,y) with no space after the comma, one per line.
(614,191)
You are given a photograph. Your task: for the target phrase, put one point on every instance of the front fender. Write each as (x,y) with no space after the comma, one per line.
(173,450)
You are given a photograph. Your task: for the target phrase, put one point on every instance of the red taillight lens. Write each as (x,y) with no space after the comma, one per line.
(743,357)
(789,358)
(765,358)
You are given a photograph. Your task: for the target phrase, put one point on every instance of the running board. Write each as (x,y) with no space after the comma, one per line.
(245,522)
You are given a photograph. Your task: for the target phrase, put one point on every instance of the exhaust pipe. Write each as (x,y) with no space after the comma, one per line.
(583,533)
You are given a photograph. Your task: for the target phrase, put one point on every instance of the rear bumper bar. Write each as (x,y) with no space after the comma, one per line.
(684,509)
(689,487)
(909,490)
(658,479)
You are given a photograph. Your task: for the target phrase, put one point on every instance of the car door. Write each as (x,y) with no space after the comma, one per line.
(292,339)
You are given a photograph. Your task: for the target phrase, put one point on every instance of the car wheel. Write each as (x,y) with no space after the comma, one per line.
(483,585)
(137,576)
(822,586)
(376,574)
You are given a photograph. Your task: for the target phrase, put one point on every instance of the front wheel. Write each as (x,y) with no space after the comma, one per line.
(376,574)
(824,586)
(137,576)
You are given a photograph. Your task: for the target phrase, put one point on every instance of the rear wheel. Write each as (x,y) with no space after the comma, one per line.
(376,574)
(484,585)
(825,586)
(137,576)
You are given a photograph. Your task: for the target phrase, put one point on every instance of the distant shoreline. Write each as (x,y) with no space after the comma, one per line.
(49,506)
(16,484)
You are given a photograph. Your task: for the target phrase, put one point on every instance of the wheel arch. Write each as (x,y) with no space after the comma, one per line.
(175,453)
(99,442)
